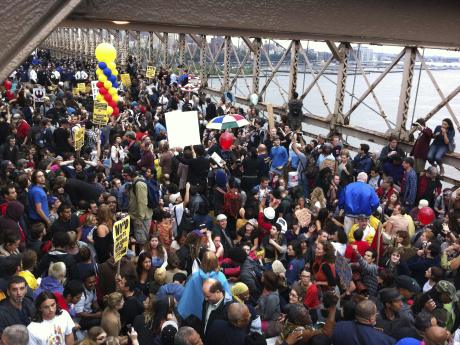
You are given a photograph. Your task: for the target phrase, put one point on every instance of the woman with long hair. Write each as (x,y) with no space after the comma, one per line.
(117,156)
(157,312)
(443,142)
(110,321)
(154,247)
(268,306)
(145,272)
(51,325)
(191,302)
(324,266)
(248,234)
(317,200)
(103,239)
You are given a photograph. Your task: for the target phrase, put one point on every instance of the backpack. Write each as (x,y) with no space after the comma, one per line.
(187,223)
(153,193)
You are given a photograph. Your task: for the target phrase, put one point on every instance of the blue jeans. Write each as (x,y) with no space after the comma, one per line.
(436,153)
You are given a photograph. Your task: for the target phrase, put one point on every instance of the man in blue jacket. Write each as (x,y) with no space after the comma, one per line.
(363,161)
(358,198)
(279,157)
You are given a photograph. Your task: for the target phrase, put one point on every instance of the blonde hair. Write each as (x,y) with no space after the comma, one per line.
(112,341)
(113,300)
(89,219)
(317,194)
(57,270)
(210,263)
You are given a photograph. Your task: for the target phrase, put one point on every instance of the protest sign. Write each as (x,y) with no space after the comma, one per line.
(81,87)
(126,79)
(150,72)
(100,115)
(183,128)
(94,89)
(39,94)
(121,238)
(79,138)
(304,217)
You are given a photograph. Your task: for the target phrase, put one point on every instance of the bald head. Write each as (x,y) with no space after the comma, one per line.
(238,315)
(366,312)
(213,291)
(436,335)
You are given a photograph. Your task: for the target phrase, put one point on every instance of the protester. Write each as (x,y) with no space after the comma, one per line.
(274,222)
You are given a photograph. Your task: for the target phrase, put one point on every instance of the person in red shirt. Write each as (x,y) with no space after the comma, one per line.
(23,129)
(362,246)
(386,190)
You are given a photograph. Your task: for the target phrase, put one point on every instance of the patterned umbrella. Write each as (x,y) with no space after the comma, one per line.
(227,121)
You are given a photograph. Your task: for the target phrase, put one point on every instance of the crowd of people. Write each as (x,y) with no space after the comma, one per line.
(282,240)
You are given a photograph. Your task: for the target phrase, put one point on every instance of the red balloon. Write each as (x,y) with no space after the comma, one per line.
(113,104)
(9,95)
(99,84)
(116,111)
(7,84)
(226,140)
(108,98)
(102,91)
(426,215)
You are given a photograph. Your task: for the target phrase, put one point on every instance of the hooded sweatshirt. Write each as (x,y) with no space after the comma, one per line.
(13,214)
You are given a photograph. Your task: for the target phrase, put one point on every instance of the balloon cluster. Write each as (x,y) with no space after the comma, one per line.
(8,94)
(107,77)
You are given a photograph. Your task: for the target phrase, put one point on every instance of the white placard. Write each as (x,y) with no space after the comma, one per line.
(183,128)
(94,89)
(39,93)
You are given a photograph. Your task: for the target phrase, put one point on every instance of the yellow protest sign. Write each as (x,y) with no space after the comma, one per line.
(81,87)
(150,72)
(100,115)
(79,138)
(121,238)
(126,79)
(76,91)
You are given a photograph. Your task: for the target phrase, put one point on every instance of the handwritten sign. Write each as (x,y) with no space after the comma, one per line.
(94,89)
(79,138)
(150,72)
(121,238)
(100,115)
(304,217)
(126,79)
(39,94)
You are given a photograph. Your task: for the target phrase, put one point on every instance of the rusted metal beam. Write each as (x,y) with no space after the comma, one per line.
(277,67)
(337,115)
(293,68)
(404,96)
(334,50)
(227,47)
(256,46)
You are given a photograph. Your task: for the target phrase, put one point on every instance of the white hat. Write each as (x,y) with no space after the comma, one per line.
(221,217)
(423,203)
(277,267)
(269,213)
(173,198)
(169,323)
(253,222)
(282,222)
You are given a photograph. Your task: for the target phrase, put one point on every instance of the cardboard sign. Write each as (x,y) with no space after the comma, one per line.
(100,115)
(183,128)
(126,79)
(121,238)
(94,89)
(81,87)
(76,91)
(150,72)
(218,159)
(304,217)
(79,138)
(39,94)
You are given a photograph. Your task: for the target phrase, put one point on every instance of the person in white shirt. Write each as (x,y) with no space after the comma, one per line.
(51,325)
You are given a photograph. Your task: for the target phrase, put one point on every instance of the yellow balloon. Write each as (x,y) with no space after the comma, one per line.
(114,72)
(115,98)
(113,91)
(102,78)
(107,84)
(99,72)
(105,52)
(112,65)
(109,110)
(99,97)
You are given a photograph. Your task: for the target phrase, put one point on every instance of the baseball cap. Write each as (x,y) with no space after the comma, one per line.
(173,197)
(269,213)
(282,222)
(221,217)
(408,283)
(389,294)
(444,286)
